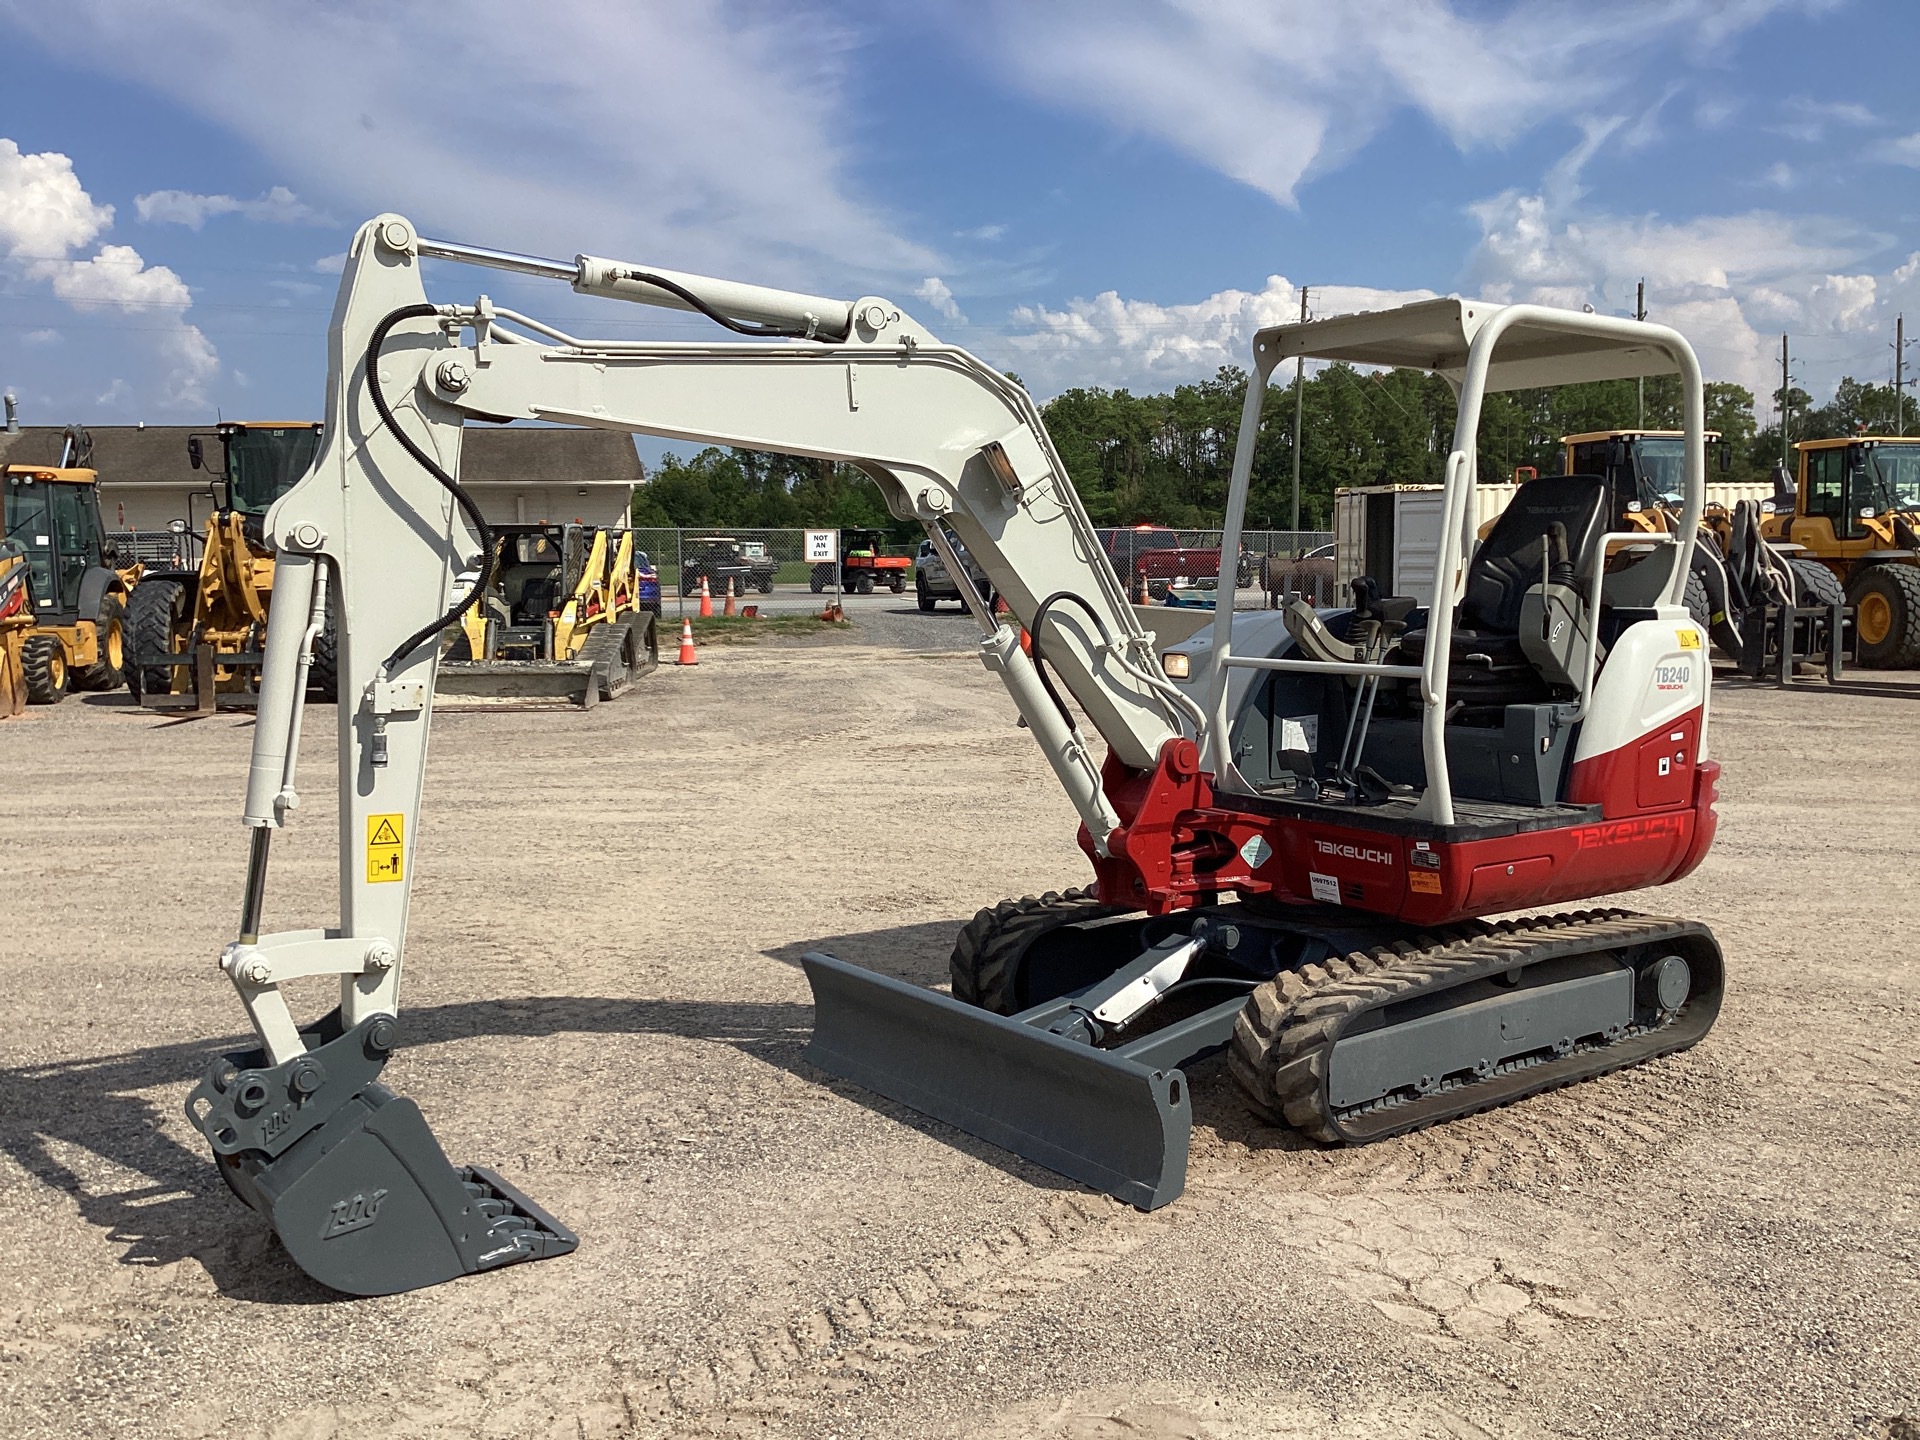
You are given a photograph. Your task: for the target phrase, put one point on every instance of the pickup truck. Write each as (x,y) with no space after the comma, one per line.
(1154,553)
(720,558)
(933,582)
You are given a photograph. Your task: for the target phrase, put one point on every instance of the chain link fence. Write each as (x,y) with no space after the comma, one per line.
(769,569)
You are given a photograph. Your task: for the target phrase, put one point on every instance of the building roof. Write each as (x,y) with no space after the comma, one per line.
(149,455)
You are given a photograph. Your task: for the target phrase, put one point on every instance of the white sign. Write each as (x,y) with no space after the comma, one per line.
(823,547)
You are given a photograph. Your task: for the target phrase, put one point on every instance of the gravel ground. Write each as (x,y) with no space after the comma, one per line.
(604,1002)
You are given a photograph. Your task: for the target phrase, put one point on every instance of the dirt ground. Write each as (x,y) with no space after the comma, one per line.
(604,1002)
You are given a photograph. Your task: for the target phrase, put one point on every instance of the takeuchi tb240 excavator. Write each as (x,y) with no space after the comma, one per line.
(1295,824)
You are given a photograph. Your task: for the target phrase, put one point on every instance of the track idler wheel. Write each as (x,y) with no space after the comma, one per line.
(349,1174)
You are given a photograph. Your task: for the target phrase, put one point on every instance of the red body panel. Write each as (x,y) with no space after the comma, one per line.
(1176,844)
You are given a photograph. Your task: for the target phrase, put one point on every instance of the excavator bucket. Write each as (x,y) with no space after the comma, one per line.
(349,1174)
(1113,1122)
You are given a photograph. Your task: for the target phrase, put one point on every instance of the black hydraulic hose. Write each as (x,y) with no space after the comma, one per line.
(1039,659)
(739,327)
(426,632)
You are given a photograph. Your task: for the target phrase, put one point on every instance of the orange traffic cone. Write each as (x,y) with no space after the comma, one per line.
(730,608)
(706,600)
(687,654)
(1142,595)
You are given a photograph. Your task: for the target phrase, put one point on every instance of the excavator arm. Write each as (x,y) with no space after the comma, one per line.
(381,517)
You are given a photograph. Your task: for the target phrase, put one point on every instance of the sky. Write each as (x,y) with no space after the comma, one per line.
(1085,192)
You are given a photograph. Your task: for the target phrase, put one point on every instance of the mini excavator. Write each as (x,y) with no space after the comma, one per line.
(1298,822)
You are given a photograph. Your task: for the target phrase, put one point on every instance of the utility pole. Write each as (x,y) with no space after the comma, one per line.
(1899,370)
(1640,313)
(1786,403)
(1299,401)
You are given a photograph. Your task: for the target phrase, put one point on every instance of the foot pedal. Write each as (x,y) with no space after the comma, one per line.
(350,1175)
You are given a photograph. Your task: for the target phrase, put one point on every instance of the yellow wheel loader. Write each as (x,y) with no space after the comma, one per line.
(75,598)
(1851,519)
(567,614)
(198,636)
(1766,606)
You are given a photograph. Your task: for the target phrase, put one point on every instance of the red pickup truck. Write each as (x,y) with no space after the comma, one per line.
(1155,552)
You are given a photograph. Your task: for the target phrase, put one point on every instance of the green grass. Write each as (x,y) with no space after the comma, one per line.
(738,630)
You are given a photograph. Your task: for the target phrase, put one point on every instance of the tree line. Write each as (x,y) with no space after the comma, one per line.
(1166,458)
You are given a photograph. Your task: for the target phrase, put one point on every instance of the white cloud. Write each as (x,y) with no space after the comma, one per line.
(988,233)
(46,215)
(1271,92)
(1904,151)
(41,337)
(330,264)
(280,206)
(1721,280)
(934,291)
(666,133)
(1140,344)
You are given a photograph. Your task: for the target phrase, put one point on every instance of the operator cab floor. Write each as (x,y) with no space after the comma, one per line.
(1472,819)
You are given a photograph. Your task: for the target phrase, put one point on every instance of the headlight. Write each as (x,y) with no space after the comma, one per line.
(1177,664)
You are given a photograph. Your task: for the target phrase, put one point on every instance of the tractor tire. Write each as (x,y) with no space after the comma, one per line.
(323,676)
(1886,611)
(108,670)
(1815,584)
(1698,605)
(158,609)
(43,660)
(988,958)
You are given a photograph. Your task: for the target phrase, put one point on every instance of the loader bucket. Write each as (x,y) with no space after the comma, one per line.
(1093,1116)
(350,1176)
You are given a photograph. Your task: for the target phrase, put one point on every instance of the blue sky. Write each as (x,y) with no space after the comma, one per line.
(1110,193)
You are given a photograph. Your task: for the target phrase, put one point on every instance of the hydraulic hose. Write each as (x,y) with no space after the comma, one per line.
(426,632)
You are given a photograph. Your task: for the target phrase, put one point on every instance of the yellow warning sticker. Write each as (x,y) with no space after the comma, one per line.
(1689,639)
(386,848)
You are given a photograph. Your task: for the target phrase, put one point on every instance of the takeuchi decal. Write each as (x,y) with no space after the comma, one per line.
(1354,852)
(1629,832)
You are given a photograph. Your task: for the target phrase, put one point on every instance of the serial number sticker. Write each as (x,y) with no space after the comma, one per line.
(1326,888)
(386,849)
(1423,882)
(1689,639)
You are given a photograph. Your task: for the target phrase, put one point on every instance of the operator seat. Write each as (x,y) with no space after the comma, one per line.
(538,597)
(1488,667)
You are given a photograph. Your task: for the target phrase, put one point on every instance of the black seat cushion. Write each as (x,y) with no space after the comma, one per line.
(1513,556)
(541,595)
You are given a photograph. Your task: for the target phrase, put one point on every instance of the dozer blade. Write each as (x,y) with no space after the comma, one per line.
(349,1174)
(1096,1117)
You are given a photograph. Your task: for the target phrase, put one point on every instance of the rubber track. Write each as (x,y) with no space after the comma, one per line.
(1283,1040)
(990,945)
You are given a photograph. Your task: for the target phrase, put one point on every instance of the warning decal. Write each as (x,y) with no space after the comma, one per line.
(386,848)
(1689,639)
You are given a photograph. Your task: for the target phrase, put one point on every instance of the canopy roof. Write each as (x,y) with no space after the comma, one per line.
(1435,335)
